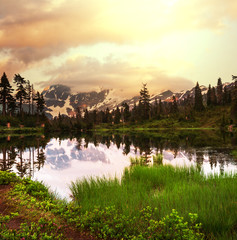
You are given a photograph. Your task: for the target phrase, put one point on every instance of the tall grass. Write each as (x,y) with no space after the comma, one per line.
(213,198)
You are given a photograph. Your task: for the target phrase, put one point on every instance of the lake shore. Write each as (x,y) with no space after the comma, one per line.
(108,209)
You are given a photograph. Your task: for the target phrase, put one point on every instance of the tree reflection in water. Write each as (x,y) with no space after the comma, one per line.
(22,154)
(25,155)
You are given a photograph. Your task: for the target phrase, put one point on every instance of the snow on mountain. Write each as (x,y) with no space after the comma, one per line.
(59,99)
(112,100)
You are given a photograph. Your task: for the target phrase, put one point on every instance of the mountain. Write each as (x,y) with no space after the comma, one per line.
(60,99)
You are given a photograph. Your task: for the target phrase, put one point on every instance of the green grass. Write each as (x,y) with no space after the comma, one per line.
(16,131)
(42,216)
(213,198)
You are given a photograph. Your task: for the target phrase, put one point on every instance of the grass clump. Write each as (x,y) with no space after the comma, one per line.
(158,159)
(212,198)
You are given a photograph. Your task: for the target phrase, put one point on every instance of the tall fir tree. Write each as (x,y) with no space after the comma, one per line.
(20,91)
(161,108)
(174,106)
(209,95)
(219,92)
(145,102)
(117,115)
(5,92)
(40,103)
(198,103)
(126,113)
(29,95)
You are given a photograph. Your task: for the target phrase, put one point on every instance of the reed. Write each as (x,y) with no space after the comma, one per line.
(213,198)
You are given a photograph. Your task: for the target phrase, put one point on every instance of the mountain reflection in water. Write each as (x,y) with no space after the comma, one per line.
(57,161)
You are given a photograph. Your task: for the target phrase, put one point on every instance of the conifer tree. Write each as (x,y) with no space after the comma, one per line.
(213,96)
(126,113)
(28,95)
(219,91)
(21,90)
(161,108)
(5,92)
(198,103)
(117,116)
(40,103)
(145,102)
(174,106)
(11,102)
(209,95)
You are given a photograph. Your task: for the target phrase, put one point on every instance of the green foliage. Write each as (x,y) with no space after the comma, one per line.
(165,188)
(44,229)
(108,223)
(7,178)
(158,159)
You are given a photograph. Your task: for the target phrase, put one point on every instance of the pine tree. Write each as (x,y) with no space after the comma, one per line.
(145,103)
(213,96)
(219,91)
(21,90)
(117,116)
(11,102)
(28,95)
(126,113)
(209,95)
(161,108)
(40,103)
(198,103)
(5,92)
(174,106)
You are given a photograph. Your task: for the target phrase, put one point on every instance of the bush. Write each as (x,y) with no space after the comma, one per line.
(7,177)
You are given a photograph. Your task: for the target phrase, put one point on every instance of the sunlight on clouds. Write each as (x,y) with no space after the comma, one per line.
(110,41)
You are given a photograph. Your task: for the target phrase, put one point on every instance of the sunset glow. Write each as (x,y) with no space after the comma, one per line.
(119,44)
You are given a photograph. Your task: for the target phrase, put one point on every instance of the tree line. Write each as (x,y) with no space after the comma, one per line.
(13,99)
(184,108)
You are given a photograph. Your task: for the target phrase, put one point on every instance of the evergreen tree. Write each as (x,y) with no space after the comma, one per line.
(134,113)
(155,109)
(108,116)
(145,102)
(5,92)
(198,103)
(213,96)
(219,90)
(28,95)
(94,116)
(126,113)
(117,116)
(86,116)
(11,105)
(40,103)
(174,106)
(33,96)
(161,108)
(21,90)
(209,95)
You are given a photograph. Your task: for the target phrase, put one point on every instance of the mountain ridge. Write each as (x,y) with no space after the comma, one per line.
(60,99)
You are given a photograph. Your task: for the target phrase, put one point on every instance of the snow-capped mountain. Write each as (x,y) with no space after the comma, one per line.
(60,99)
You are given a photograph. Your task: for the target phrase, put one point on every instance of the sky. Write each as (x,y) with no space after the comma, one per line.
(119,44)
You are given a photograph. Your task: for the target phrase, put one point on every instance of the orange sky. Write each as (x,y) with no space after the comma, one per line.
(94,44)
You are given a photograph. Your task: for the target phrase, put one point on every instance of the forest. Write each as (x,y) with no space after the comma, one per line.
(216,109)
(23,106)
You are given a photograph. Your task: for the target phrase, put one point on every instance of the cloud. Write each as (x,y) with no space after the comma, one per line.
(34,31)
(85,74)
(46,25)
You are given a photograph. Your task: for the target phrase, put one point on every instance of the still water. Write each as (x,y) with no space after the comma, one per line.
(58,161)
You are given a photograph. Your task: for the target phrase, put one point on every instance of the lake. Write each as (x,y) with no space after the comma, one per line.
(59,160)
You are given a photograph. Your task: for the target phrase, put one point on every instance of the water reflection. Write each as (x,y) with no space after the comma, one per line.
(58,161)
(23,155)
